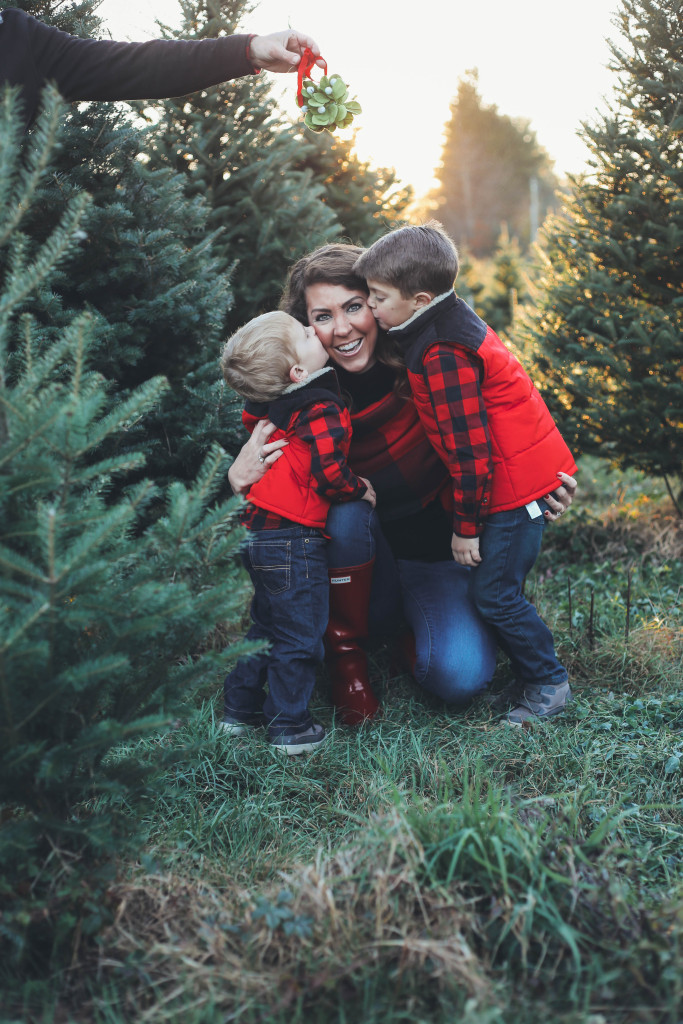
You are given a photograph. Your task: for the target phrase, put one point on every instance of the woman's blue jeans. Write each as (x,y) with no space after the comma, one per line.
(456,652)
(509,546)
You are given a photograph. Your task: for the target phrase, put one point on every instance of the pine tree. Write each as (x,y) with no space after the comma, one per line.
(506,286)
(237,152)
(607,324)
(367,201)
(487,167)
(146,269)
(101,615)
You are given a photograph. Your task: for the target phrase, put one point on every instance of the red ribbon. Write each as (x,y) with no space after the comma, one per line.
(306,65)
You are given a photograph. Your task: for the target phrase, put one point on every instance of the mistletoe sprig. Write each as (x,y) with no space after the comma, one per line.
(325,104)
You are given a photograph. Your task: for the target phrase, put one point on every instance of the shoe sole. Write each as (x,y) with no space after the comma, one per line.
(235,729)
(297,748)
(532,717)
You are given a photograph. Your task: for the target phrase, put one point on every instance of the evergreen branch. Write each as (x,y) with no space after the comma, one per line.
(23,281)
(42,140)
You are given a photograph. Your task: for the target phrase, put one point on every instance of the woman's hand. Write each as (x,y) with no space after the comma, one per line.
(561,498)
(255,457)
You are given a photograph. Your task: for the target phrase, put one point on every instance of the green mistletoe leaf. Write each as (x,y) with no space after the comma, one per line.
(338,89)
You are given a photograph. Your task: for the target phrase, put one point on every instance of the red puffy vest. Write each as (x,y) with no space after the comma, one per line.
(287,487)
(527,448)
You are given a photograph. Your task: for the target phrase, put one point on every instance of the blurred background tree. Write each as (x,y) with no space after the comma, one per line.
(493,171)
(605,329)
(367,201)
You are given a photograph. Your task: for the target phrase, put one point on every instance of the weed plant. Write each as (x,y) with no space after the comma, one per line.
(432,865)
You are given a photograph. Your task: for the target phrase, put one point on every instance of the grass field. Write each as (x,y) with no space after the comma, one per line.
(432,866)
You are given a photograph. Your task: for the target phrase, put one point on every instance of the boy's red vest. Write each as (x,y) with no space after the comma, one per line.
(526,446)
(287,487)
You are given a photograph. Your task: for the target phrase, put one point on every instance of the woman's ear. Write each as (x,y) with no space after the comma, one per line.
(297,374)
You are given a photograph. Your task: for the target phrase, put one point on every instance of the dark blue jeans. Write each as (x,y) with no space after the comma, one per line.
(290,609)
(509,547)
(456,652)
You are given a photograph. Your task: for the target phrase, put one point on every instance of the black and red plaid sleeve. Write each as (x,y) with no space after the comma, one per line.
(453,378)
(321,427)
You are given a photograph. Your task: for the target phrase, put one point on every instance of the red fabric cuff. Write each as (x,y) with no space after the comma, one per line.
(257,71)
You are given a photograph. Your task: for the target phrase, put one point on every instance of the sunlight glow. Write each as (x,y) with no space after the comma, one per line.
(538,60)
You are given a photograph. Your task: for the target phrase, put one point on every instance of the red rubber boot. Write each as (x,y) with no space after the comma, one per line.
(347,627)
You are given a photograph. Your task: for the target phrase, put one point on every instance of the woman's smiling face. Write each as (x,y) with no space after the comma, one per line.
(345,325)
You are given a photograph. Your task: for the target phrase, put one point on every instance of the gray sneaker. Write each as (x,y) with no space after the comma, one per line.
(303,742)
(233,726)
(539,702)
(504,699)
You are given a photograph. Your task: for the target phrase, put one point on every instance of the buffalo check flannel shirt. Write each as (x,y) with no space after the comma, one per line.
(320,426)
(453,377)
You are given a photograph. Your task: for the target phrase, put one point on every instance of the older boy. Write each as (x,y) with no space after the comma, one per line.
(492,429)
(279,367)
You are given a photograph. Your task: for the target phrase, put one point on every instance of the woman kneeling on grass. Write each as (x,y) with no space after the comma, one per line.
(392,564)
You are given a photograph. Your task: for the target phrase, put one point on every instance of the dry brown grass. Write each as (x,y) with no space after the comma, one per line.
(178,941)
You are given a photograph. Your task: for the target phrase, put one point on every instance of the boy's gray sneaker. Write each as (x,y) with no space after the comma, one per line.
(233,726)
(504,699)
(302,742)
(539,702)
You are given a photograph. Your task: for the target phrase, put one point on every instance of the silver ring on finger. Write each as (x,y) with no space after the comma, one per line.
(262,459)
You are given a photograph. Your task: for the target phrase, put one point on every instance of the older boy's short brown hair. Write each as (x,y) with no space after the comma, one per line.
(413,259)
(257,358)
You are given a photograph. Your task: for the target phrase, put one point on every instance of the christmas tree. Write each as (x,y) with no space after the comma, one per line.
(367,201)
(102,616)
(146,269)
(489,166)
(505,287)
(606,329)
(237,152)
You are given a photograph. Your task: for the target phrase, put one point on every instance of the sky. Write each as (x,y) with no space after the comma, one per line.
(541,60)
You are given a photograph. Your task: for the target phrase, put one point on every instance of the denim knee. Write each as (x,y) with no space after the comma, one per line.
(456,680)
(351,527)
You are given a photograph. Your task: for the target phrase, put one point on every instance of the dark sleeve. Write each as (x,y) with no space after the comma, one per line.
(453,380)
(99,69)
(320,426)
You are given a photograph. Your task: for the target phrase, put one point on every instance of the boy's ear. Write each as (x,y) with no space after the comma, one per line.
(297,374)
(422,299)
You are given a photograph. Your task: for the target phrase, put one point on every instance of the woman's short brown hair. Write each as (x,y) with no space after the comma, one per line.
(257,358)
(333,264)
(330,264)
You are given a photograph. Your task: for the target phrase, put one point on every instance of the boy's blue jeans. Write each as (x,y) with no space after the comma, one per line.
(288,568)
(509,547)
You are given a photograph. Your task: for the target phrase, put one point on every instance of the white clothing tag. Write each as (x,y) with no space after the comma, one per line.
(340,579)
(534,509)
